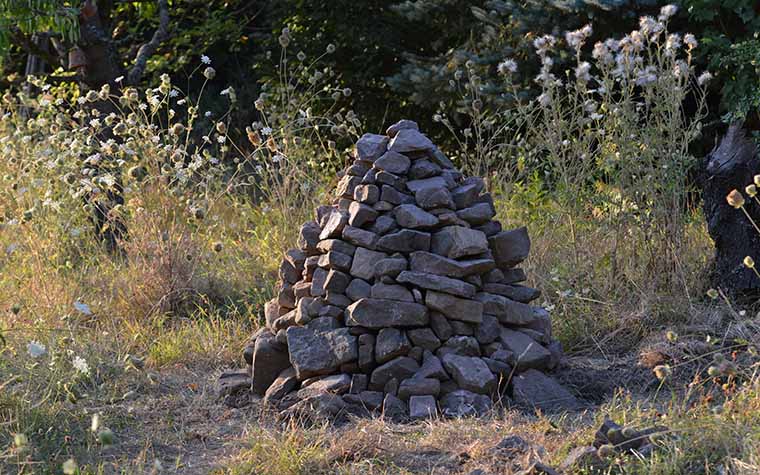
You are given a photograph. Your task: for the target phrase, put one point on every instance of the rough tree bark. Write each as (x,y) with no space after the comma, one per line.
(732,165)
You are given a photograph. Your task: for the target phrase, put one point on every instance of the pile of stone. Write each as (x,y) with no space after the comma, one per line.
(404,297)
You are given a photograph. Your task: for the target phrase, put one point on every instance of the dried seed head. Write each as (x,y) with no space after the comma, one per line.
(749,262)
(735,199)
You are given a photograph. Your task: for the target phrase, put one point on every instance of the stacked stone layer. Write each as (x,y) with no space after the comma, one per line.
(404,296)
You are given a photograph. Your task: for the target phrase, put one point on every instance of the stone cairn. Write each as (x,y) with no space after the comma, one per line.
(403,298)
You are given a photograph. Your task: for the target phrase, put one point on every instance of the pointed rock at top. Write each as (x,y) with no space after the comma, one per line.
(409,140)
(403,124)
(371,146)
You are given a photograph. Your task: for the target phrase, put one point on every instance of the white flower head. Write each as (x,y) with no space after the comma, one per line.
(35,349)
(582,72)
(690,40)
(704,78)
(81,365)
(205,59)
(266,130)
(544,99)
(508,66)
(668,11)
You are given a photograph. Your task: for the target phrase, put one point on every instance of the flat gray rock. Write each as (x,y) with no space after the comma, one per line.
(358,289)
(518,293)
(422,407)
(405,240)
(315,353)
(400,368)
(360,214)
(377,313)
(535,389)
(454,307)
(359,237)
(336,221)
(439,265)
(391,292)
(401,125)
(479,213)
(363,265)
(457,241)
(463,403)
(424,338)
(370,147)
(510,247)
(390,343)
(421,169)
(434,182)
(527,353)
(409,140)
(432,198)
(470,373)
(437,282)
(506,310)
(285,382)
(269,360)
(393,162)
(414,217)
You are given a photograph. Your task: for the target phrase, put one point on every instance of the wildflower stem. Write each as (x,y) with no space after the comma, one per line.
(746,213)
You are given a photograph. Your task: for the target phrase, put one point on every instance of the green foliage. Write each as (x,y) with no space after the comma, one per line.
(730,48)
(37,16)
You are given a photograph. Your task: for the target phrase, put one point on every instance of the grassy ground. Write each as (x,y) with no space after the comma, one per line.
(158,327)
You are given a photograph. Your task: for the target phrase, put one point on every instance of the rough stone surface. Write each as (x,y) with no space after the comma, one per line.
(315,353)
(463,403)
(470,373)
(440,265)
(458,241)
(454,307)
(409,140)
(363,265)
(535,389)
(437,282)
(527,352)
(391,343)
(414,217)
(510,247)
(371,146)
(380,313)
(393,162)
(402,296)
(422,407)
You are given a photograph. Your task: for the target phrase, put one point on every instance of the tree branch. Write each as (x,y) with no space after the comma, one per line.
(147,50)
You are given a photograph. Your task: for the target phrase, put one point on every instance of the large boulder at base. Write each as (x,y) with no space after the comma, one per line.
(403,299)
(534,389)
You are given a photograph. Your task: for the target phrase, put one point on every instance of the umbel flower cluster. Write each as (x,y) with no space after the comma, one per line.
(404,297)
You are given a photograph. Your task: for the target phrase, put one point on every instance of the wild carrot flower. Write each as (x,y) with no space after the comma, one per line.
(749,263)
(81,365)
(735,199)
(35,349)
(205,59)
(209,73)
(751,190)
(704,78)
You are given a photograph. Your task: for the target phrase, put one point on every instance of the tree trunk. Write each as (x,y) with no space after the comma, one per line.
(732,165)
